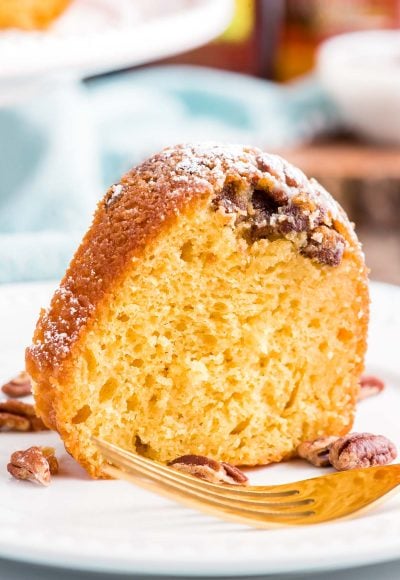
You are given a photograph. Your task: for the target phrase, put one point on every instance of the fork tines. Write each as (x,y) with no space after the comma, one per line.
(255,503)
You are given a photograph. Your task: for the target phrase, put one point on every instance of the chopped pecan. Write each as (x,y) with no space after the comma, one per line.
(209,469)
(369,386)
(293,219)
(271,164)
(233,197)
(19,416)
(35,464)
(317,451)
(361,450)
(19,386)
(326,246)
(293,176)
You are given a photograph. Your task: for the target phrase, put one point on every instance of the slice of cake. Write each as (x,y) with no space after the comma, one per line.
(217,306)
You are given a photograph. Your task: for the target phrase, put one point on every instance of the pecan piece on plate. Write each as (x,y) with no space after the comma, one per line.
(369,387)
(209,469)
(361,450)
(35,464)
(19,386)
(317,451)
(19,416)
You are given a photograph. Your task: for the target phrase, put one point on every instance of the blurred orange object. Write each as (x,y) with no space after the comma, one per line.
(278,39)
(308,22)
(248,45)
(30,14)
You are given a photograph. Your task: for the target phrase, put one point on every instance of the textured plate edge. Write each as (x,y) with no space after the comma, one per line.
(212,569)
(60,560)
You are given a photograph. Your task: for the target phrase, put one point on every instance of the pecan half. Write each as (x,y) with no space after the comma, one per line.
(19,416)
(35,464)
(317,451)
(369,387)
(19,386)
(209,469)
(361,450)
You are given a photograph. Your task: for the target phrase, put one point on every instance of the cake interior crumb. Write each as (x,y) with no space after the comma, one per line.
(217,347)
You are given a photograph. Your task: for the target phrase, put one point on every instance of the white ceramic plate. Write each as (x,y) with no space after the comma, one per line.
(113,526)
(95,36)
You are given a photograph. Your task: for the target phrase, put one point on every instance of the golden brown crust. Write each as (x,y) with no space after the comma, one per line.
(134,212)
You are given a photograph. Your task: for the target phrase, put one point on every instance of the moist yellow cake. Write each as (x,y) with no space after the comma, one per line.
(217,306)
(30,14)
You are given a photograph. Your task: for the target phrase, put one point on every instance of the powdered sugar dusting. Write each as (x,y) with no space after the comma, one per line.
(61,324)
(116,192)
(213,164)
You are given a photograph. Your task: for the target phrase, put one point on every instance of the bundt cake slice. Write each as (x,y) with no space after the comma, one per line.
(217,306)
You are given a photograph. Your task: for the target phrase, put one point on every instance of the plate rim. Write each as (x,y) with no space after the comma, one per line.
(126,46)
(163,567)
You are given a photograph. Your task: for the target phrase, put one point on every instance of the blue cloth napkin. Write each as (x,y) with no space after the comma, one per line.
(61,149)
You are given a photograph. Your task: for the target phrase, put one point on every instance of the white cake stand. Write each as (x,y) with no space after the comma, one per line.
(98,36)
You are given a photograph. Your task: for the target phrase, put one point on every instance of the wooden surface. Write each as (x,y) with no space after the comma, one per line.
(344,158)
(365,179)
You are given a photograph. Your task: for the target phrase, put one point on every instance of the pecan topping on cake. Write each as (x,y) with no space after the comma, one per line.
(271,199)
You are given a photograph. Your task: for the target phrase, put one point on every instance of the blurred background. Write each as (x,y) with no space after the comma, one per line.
(89,88)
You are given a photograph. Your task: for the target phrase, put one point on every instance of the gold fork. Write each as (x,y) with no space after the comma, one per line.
(310,501)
